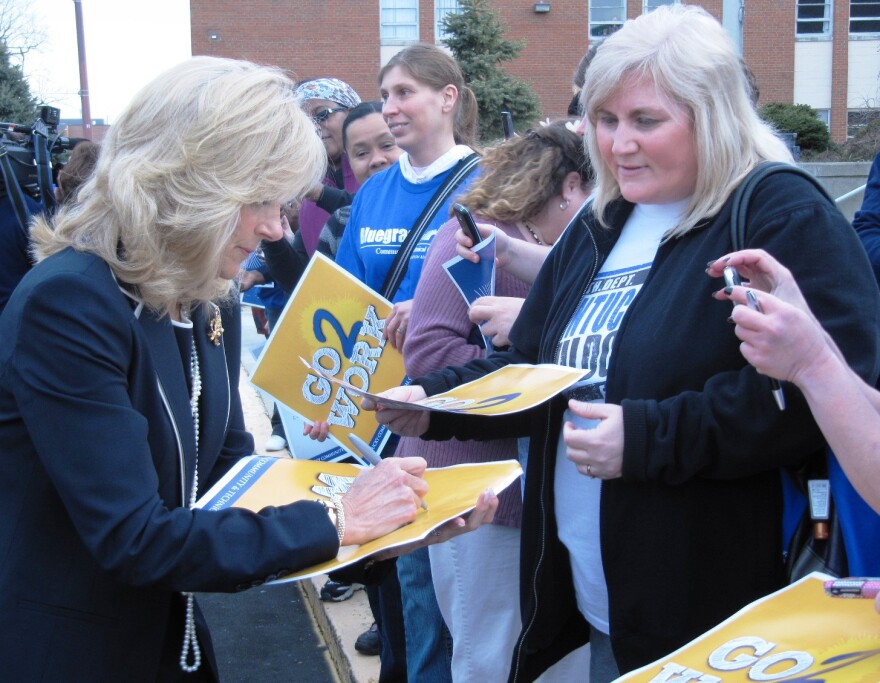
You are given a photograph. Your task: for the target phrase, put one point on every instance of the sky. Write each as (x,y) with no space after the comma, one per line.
(127,44)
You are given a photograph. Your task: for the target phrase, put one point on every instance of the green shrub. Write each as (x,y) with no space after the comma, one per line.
(475,36)
(812,134)
(861,147)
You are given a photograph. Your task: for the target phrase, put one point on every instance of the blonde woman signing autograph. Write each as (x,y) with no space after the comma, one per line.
(119,404)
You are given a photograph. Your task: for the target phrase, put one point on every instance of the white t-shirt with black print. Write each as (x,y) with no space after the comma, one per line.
(588,342)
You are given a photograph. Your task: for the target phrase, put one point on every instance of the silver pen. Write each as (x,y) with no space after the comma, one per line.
(368,454)
(775,387)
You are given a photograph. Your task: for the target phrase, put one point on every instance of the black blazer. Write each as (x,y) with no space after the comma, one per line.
(97,454)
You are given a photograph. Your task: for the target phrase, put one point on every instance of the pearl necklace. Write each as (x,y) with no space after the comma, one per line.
(190,638)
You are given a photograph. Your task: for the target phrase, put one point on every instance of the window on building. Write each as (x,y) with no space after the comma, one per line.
(399,21)
(651,5)
(864,16)
(441,9)
(606,16)
(856,119)
(813,18)
(824,115)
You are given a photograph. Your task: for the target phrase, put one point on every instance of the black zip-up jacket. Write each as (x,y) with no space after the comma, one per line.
(691,532)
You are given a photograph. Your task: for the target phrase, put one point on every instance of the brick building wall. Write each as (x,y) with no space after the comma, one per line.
(306,38)
(555,43)
(769,57)
(311,38)
(839,72)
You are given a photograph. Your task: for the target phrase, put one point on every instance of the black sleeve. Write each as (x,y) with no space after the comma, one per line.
(333,198)
(286,261)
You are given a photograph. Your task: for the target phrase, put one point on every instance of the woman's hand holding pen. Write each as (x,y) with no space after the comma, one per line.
(764,273)
(782,339)
(383,498)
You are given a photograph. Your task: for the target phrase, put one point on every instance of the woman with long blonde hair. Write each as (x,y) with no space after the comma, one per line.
(119,374)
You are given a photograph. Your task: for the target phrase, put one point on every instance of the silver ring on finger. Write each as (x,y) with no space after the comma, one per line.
(590,471)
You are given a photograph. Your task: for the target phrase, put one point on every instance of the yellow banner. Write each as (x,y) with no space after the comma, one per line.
(796,635)
(260,481)
(335,322)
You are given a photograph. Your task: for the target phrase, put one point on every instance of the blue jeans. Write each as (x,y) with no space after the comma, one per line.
(428,643)
(388,613)
(603,667)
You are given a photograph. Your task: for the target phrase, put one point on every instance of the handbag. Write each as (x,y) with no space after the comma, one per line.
(401,260)
(813,538)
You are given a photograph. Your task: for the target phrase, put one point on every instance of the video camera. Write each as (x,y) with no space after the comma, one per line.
(31,151)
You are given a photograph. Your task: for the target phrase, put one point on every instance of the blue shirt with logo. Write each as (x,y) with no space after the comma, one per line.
(383,212)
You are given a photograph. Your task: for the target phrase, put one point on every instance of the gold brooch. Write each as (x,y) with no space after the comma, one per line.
(215,328)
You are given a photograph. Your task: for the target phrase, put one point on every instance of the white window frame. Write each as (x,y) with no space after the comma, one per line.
(651,5)
(857,23)
(395,27)
(441,9)
(602,8)
(806,21)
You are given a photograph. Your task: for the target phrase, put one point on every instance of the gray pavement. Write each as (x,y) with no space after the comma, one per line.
(283,633)
(267,634)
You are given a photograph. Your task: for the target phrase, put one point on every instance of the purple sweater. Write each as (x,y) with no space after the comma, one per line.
(312,217)
(437,337)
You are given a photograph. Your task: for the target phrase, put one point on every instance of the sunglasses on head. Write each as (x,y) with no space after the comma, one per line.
(320,117)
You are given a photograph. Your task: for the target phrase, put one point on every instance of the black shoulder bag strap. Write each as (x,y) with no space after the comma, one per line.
(401,261)
(805,552)
(743,196)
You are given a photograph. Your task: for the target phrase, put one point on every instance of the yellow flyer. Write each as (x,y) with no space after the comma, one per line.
(335,322)
(509,389)
(260,481)
(796,635)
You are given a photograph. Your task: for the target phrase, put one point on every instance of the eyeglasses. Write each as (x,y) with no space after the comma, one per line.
(320,117)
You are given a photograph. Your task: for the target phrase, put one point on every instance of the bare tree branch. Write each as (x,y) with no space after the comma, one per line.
(19,29)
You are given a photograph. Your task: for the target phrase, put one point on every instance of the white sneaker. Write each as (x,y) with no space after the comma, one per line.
(275,443)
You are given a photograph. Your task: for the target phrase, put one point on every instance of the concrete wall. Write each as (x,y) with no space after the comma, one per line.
(841,177)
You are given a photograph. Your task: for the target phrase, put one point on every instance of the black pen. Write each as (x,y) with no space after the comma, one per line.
(371,456)
(775,387)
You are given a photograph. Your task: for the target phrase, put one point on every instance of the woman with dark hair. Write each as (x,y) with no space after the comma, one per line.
(326,101)
(77,170)
(577,82)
